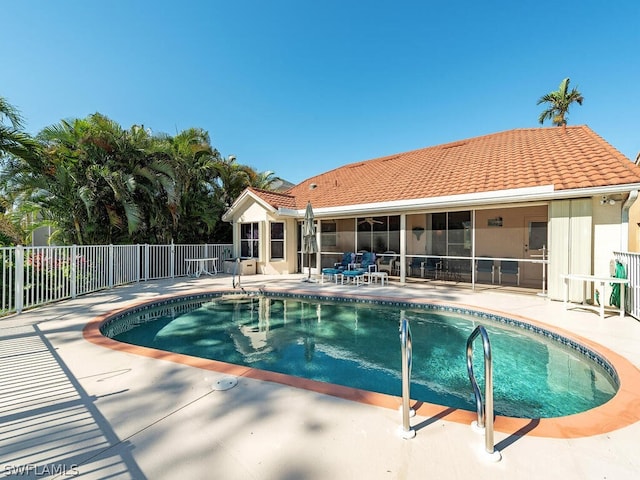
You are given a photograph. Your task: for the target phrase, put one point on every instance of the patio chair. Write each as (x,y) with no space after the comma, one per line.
(415,266)
(368,262)
(338,267)
(456,269)
(348,258)
(431,267)
(509,267)
(357,272)
(385,263)
(486,266)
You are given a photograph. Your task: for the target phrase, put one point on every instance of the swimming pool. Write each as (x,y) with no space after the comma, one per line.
(537,374)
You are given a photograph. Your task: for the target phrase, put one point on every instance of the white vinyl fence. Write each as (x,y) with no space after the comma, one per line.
(34,276)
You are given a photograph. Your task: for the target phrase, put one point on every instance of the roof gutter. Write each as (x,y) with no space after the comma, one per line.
(519,195)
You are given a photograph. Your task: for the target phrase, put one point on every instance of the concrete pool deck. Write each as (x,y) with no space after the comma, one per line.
(70,406)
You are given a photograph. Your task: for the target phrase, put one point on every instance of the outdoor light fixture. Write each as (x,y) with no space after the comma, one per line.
(608,200)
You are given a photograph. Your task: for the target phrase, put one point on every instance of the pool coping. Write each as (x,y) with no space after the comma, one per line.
(621,411)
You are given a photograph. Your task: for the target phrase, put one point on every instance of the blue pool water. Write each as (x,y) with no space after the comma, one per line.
(357,345)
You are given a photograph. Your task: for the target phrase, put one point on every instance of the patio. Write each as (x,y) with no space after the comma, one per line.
(69,406)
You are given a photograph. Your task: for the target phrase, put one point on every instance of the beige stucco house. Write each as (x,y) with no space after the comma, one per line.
(549,200)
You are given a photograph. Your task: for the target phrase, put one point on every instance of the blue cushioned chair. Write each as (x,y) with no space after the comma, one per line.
(509,267)
(347,258)
(356,274)
(486,266)
(431,267)
(368,262)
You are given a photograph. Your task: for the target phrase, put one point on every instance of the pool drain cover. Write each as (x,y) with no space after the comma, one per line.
(225,383)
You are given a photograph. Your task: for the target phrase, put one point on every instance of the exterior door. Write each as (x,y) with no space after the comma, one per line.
(536,246)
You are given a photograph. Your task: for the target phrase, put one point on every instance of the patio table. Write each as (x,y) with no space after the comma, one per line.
(596,280)
(200,266)
(374,276)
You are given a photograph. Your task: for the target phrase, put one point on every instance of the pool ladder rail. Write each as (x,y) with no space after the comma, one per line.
(236,271)
(484,409)
(407,359)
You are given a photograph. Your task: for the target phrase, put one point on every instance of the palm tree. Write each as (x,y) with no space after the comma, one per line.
(15,146)
(559,102)
(264,180)
(194,160)
(13,141)
(233,178)
(96,182)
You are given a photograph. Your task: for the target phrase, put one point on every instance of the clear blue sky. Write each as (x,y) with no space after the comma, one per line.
(299,87)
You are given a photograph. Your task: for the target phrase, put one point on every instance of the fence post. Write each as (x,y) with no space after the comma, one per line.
(19,280)
(110,266)
(172,259)
(74,271)
(146,262)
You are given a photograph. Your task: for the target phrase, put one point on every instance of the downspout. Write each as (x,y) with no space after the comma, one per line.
(624,224)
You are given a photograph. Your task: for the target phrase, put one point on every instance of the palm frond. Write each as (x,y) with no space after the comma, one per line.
(11,113)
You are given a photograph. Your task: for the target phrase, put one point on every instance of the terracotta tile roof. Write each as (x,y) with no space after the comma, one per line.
(575,157)
(275,199)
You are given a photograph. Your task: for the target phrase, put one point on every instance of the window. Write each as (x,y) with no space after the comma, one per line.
(439,234)
(459,233)
(451,234)
(378,234)
(249,240)
(537,235)
(328,234)
(277,240)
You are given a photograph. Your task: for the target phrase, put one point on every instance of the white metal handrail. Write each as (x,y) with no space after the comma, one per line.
(484,409)
(406,350)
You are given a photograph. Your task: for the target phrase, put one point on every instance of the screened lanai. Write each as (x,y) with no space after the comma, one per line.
(499,246)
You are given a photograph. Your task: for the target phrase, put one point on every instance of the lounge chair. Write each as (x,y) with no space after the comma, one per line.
(509,267)
(368,262)
(358,273)
(338,267)
(348,258)
(486,266)
(385,263)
